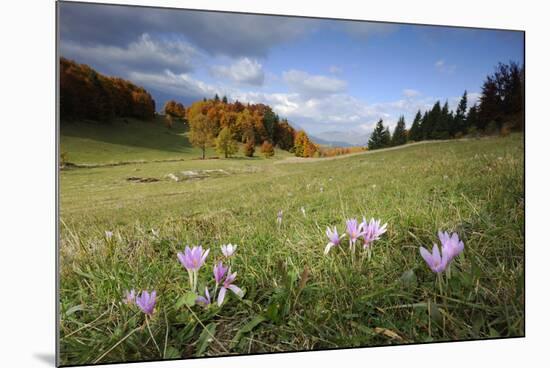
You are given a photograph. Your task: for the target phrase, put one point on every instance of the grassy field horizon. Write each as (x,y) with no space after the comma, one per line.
(296,298)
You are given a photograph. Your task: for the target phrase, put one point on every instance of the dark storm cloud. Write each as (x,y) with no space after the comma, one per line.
(216,33)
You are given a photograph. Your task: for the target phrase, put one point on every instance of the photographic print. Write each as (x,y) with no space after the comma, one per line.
(235,183)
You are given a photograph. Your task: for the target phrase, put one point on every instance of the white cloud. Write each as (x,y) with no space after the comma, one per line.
(146,53)
(313,85)
(177,84)
(442,66)
(410,93)
(245,70)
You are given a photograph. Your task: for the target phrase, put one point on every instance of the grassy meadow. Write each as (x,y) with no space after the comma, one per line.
(296,298)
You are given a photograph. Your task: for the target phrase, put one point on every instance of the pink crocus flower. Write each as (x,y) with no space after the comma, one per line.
(436,260)
(354,231)
(334,238)
(193,258)
(219,272)
(372,231)
(280,217)
(204,300)
(129,297)
(146,302)
(228,284)
(454,245)
(228,249)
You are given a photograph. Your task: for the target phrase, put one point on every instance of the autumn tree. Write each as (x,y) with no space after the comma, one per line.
(300,142)
(225,144)
(267,149)
(174,109)
(87,94)
(249,147)
(201,132)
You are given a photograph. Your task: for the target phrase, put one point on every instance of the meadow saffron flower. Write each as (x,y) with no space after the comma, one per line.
(372,231)
(453,244)
(204,300)
(334,238)
(108,235)
(228,250)
(193,258)
(280,217)
(228,284)
(303,211)
(129,297)
(219,272)
(437,261)
(146,302)
(354,231)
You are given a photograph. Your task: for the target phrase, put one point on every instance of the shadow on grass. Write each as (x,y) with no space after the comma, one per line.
(131,132)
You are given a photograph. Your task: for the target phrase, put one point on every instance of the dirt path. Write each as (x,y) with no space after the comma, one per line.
(296,160)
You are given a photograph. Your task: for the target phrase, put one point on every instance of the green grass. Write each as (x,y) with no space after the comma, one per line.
(126,140)
(296,298)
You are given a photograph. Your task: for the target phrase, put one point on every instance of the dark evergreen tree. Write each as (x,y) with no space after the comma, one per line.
(432,121)
(224,99)
(489,105)
(472,118)
(415,133)
(441,123)
(376,139)
(270,122)
(399,136)
(424,125)
(459,123)
(386,138)
(217,98)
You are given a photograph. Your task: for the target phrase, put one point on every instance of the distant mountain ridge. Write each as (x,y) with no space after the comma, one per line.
(341,139)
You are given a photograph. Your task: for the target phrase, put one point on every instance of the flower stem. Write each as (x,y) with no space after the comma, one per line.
(151,333)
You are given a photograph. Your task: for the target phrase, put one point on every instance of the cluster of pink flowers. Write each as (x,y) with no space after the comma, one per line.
(194,258)
(451,246)
(145,301)
(367,232)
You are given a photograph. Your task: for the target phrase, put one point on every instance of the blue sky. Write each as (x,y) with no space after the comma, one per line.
(323,75)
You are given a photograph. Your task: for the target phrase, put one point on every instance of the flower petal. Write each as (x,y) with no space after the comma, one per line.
(221,296)
(236,290)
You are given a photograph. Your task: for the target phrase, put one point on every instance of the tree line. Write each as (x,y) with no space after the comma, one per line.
(223,124)
(500,109)
(90,95)
(87,94)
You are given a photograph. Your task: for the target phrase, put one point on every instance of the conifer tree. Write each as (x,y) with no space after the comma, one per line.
(386,138)
(459,123)
(415,133)
(399,136)
(376,137)
(472,118)
(441,126)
